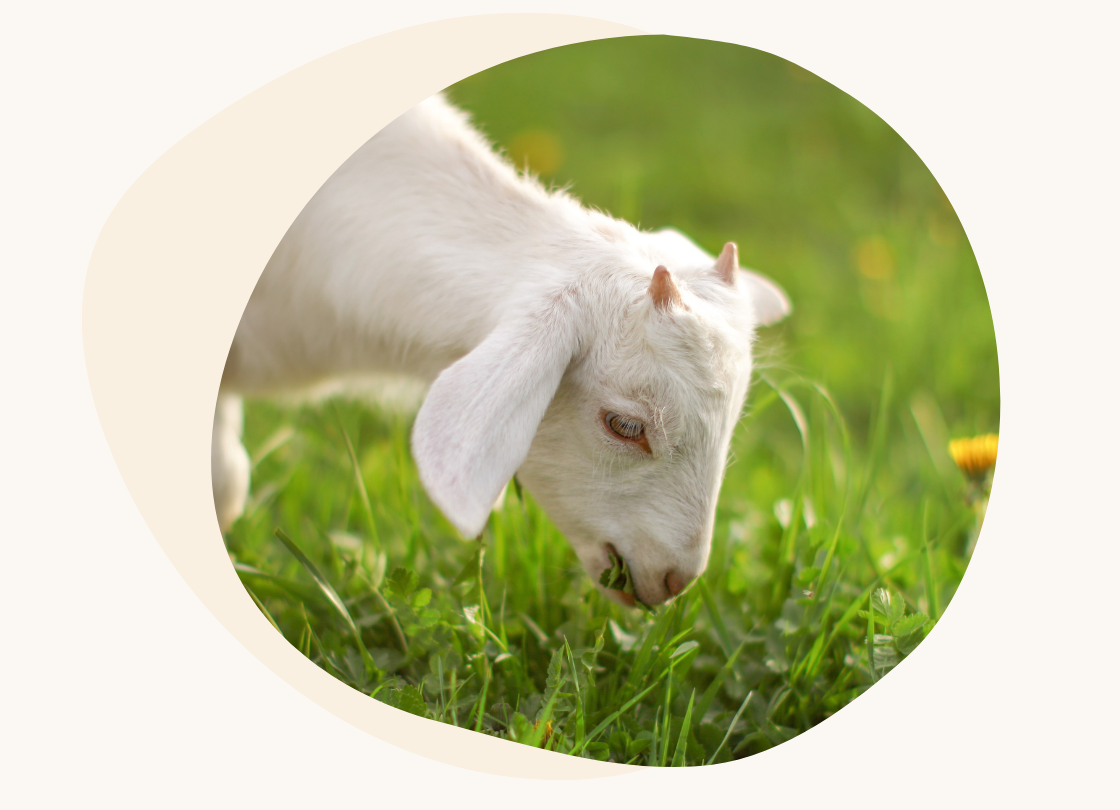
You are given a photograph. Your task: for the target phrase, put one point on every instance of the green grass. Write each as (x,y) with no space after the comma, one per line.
(842,524)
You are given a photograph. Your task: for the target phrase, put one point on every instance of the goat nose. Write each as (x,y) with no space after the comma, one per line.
(675,583)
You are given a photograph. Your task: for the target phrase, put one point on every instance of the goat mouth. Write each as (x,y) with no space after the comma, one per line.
(617,579)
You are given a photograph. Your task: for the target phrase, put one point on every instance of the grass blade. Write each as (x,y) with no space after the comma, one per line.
(614,716)
(935,436)
(878,433)
(264,610)
(332,597)
(713,614)
(579,697)
(682,740)
(300,590)
(361,484)
(643,660)
(667,730)
(710,693)
(787,553)
(382,602)
(927,553)
(798,416)
(482,695)
(734,720)
(546,717)
(871,640)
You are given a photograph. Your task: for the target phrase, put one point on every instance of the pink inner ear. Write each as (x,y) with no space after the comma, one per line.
(728,263)
(664,289)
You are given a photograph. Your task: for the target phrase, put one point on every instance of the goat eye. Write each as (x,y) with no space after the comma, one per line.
(623,427)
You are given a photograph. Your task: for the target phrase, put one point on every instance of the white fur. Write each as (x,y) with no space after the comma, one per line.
(427,254)
(229,463)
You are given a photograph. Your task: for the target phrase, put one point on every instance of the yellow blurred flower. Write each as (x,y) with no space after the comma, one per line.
(873,258)
(975,456)
(538,150)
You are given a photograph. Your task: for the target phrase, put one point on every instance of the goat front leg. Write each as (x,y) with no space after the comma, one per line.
(229,461)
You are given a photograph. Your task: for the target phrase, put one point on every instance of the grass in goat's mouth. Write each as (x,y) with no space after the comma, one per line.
(618,578)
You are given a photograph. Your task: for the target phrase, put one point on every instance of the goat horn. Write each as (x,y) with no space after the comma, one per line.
(664,290)
(728,263)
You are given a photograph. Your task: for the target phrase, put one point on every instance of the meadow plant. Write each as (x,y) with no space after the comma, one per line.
(507,636)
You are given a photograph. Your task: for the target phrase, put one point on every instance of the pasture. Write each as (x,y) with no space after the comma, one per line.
(844,527)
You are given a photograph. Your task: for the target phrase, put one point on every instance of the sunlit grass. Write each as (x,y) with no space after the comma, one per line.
(508,635)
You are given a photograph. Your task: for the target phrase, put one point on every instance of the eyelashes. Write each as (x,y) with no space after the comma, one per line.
(624,427)
(627,429)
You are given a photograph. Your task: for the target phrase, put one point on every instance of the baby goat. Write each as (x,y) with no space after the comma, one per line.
(605,366)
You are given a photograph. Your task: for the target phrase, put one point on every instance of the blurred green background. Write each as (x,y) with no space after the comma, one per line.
(843,528)
(728,143)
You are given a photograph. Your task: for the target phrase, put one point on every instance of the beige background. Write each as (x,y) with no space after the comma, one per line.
(104,692)
(170,276)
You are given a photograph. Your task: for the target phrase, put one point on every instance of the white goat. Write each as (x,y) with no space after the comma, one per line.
(556,342)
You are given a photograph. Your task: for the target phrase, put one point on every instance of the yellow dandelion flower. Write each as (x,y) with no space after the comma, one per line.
(975,456)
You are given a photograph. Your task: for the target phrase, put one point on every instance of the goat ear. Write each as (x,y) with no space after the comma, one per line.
(480,416)
(771,304)
(728,263)
(678,247)
(664,290)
